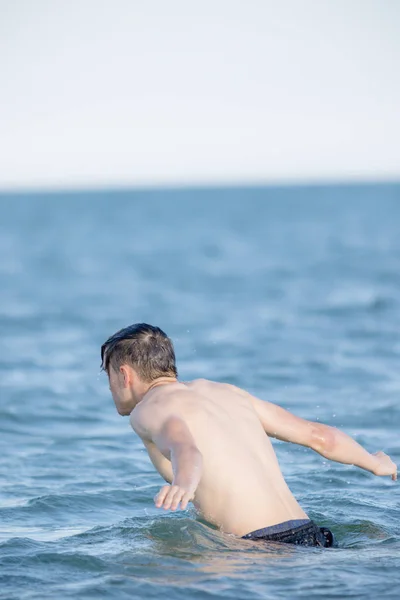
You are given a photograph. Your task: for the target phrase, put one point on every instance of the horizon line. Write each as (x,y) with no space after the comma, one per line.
(75,188)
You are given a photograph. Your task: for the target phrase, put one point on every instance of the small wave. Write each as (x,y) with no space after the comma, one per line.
(361,534)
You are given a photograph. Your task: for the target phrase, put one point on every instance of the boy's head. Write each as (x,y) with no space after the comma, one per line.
(133,358)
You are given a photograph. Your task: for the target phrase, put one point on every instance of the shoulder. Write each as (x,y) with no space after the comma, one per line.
(219,389)
(201,384)
(196,383)
(226,387)
(147,416)
(151,413)
(137,420)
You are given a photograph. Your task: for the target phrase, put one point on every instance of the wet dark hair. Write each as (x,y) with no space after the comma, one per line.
(144,347)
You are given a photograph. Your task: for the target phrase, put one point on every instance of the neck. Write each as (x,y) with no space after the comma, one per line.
(157,382)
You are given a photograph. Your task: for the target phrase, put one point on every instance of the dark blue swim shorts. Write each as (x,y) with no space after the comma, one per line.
(302,532)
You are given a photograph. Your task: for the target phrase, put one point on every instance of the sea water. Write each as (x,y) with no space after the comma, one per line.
(291,293)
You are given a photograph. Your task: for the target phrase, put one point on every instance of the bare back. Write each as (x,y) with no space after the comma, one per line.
(241,488)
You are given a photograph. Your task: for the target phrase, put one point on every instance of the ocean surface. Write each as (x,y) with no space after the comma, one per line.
(291,293)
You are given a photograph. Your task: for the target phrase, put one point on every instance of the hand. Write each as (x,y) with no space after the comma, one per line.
(170,496)
(385,466)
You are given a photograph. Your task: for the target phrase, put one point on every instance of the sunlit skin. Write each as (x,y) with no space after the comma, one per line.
(208,441)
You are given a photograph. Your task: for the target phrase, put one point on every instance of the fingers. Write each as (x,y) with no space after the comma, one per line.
(177,499)
(166,497)
(185,500)
(386,465)
(394,474)
(170,496)
(159,499)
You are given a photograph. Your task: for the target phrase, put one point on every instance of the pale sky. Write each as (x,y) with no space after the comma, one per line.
(154,92)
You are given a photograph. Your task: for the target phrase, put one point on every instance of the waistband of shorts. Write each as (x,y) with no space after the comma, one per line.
(278,528)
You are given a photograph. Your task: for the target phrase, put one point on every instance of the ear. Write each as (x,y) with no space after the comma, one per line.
(127,374)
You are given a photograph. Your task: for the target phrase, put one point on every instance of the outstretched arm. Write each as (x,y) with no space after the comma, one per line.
(173,439)
(327,441)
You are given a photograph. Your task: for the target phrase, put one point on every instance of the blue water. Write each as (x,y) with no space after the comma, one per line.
(291,293)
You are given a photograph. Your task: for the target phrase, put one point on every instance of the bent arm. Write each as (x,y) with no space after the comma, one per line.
(174,440)
(328,441)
